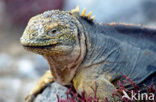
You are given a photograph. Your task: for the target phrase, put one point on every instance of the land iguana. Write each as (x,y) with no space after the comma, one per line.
(80,51)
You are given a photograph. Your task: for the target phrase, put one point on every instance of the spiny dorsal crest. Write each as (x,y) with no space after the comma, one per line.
(88,16)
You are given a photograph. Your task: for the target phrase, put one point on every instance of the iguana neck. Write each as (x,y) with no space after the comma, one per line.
(63,67)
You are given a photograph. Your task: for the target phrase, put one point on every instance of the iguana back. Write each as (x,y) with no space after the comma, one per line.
(122,49)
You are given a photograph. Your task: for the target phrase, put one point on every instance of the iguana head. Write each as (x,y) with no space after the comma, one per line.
(50,33)
(60,38)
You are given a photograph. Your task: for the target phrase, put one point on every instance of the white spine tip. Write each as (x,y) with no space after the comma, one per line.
(93,17)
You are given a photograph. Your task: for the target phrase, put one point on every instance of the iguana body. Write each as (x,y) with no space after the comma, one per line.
(81,52)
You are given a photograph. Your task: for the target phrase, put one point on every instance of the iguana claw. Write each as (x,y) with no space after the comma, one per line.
(30,98)
(45,80)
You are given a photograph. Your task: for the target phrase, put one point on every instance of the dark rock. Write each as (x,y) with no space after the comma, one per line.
(49,94)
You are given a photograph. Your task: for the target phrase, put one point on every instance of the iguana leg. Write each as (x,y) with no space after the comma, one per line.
(87,77)
(46,79)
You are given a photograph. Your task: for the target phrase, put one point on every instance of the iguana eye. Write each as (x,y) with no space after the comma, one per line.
(52,32)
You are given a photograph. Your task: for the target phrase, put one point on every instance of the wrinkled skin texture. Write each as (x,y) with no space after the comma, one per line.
(80,52)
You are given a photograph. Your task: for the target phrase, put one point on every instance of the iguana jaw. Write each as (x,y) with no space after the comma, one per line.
(40,47)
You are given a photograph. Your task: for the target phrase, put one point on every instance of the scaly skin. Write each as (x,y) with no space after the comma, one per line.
(80,51)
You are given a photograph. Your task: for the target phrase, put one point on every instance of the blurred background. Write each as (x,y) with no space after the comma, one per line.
(19,69)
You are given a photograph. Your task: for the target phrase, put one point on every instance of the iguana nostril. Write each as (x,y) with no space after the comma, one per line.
(34,34)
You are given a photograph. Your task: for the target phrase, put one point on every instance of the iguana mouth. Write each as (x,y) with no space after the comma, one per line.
(40,47)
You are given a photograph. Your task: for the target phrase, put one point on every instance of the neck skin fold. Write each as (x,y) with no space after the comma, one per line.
(63,68)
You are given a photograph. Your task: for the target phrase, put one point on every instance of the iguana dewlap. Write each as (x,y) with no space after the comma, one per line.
(80,51)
